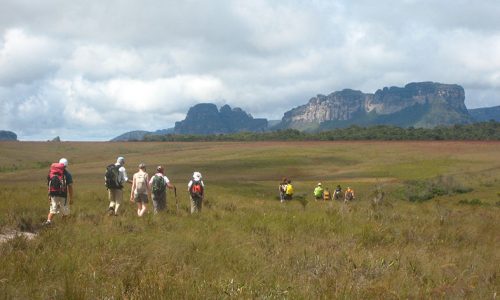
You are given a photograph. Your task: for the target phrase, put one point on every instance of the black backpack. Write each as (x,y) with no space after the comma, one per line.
(158,185)
(111,177)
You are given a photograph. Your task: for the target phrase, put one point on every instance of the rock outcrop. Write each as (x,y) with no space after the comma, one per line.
(205,118)
(7,135)
(424,104)
(138,135)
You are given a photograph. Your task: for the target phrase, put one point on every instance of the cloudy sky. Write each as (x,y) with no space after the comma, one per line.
(91,70)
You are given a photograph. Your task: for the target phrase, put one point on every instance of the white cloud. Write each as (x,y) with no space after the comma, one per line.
(24,57)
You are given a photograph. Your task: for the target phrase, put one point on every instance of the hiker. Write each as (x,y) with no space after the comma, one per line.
(289,190)
(60,187)
(282,189)
(318,192)
(349,194)
(196,189)
(115,177)
(140,189)
(326,195)
(337,194)
(158,183)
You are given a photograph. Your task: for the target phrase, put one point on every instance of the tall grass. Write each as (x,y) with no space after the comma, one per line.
(245,243)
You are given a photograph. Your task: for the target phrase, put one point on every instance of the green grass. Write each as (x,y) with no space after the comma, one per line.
(245,244)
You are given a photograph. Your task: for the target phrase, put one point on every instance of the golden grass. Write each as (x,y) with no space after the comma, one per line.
(246,244)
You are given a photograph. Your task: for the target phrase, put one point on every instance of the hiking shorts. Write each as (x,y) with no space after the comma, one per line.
(59,204)
(115,196)
(140,198)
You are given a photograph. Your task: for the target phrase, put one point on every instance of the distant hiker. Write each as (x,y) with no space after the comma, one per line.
(115,177)
(349,194)
(318,192)
(326,195)
(159,183)
(282,189)
(196,189)
(337,194)
(60,189)
(140,189)
(289,190)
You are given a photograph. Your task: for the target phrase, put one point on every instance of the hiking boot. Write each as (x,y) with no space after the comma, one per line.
(47,223)
(111,211)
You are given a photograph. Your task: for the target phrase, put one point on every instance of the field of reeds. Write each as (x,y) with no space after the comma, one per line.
(425,223)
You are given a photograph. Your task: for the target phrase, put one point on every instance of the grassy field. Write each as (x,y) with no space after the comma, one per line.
(435,234)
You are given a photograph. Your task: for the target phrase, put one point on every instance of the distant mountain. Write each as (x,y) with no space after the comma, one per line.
(422,104)
(138,135)
(7,135)
(205,118)
(485,114)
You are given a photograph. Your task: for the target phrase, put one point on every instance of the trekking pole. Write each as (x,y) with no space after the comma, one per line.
(176,201)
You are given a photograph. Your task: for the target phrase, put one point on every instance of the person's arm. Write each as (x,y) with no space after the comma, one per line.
(132,190)
(148,187)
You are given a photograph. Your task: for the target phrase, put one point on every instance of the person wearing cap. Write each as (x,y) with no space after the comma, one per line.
(282,189)
(318,192)
(196,189)
(116,194)
(160,197)
(61,202)
(349,194)
(140,189)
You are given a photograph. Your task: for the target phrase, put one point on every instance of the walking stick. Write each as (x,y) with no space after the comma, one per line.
(176,201)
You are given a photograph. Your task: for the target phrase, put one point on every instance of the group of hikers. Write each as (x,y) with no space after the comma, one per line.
(286,191)
(60,188)
(321,193)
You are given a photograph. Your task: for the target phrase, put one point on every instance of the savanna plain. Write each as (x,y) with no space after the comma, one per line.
(425,222)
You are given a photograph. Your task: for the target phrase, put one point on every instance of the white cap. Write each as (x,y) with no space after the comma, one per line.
(120,160)
(63,161)
(319,183)
(197,176)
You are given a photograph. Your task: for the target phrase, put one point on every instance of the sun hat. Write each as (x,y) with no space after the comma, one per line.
(319,183)
(63,161)
(120,160)
(197,176)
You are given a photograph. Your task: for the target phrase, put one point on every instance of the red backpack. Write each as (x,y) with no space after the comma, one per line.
(56,180)
(196,189)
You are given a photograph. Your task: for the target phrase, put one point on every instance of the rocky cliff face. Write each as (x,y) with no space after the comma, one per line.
(7,135)
(205,118)
(424,104)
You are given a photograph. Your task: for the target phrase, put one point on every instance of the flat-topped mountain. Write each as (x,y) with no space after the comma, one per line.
(7,135)
(423,104)
(205,118)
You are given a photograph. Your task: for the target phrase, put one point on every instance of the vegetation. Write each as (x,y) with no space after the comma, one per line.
(245,243)
(486,131)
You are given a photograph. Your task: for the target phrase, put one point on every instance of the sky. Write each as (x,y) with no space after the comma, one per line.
(92,70)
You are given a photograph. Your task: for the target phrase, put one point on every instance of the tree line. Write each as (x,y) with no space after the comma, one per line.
(483,131)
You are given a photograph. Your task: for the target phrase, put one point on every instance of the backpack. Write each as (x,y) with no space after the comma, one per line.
(289,189)
(326,195)
(56,180)
(158,185)
(196,189)
(111,177)
(140,183)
